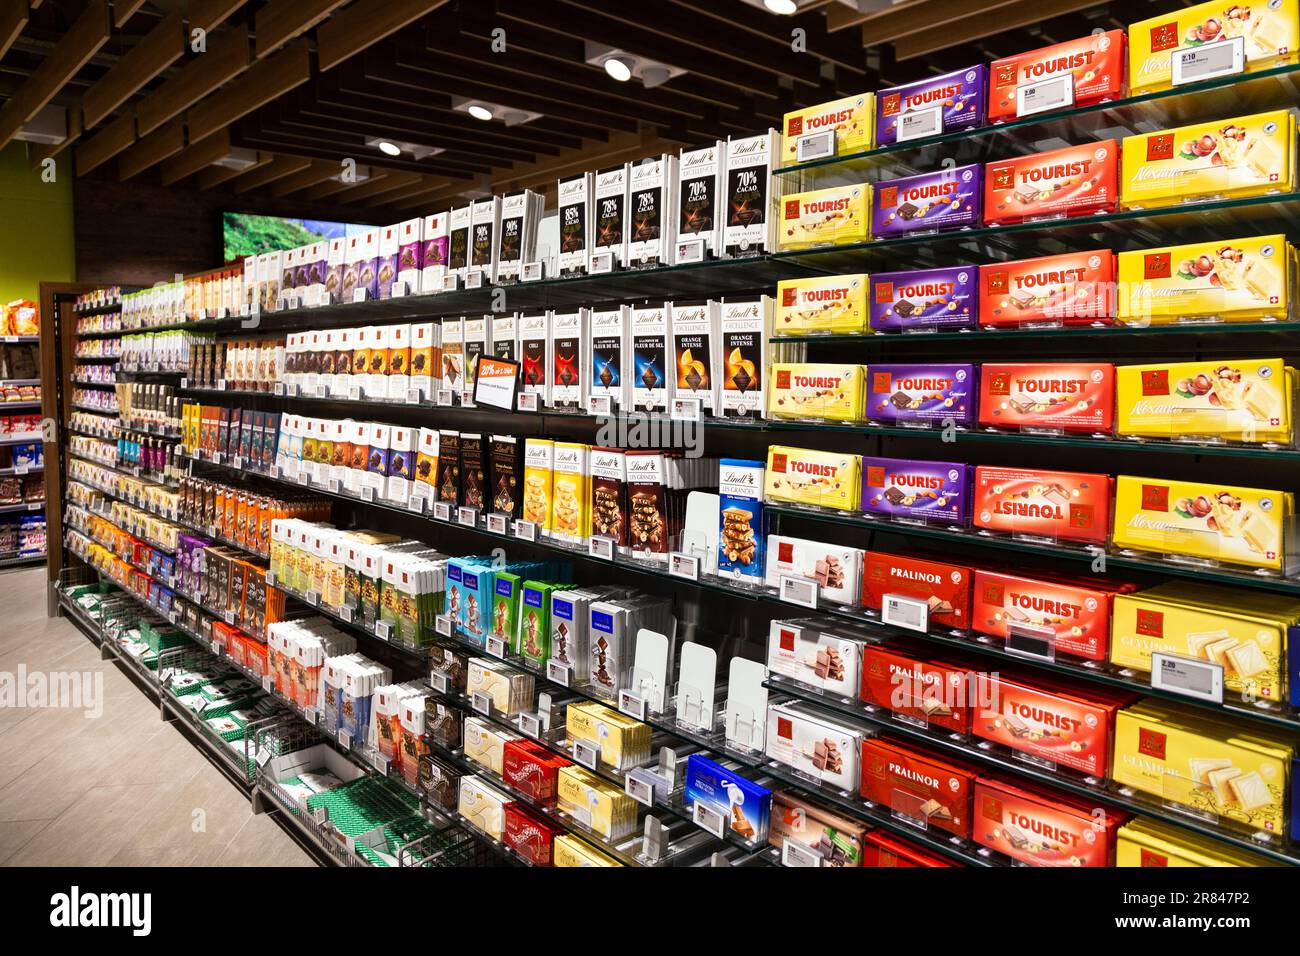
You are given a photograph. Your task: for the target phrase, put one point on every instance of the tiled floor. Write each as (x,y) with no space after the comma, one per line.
(122,789)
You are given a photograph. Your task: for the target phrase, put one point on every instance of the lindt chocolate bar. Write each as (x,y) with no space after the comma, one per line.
(921,691)
(1075,181)
(1095,65)
(930,491)
(930,107)
(1074,288)
(1075,616)
(1042,827)
(920,787)
(1053,395)
(945,199)
(921,393)
(530,834)
(1049,721)
(923,299)
(1066,505)
(945,588)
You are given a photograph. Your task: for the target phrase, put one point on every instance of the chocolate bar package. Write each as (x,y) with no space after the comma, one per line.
(485,224)
(574,198)
(930,299)
(473,474)
(936,492)
(835,837)
(928,790)
(433,252)
(608,329)
(569,337)
(931,107)
(647,502)
(750,227)
(448,480)
(945,588)
(517,240)
(650,356)
(929,394)
(650,209)
(836,569)
(812,742)
(506,459)
(903,678)
(609,518)
(740,534)
(458,241)
(944,199)
(819,653)
(746,806)
(1095,64)
(611,214)
(700,183)
(697,344)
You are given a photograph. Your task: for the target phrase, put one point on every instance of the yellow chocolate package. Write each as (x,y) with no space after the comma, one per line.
(1242,630)
(834,216)
(1229,280)
(1228,399)
(1142,842)
(1247,526)
(830,304)
(806,476)
(821,391)
(539,476)
(1270,35)
(1178,755)
(852,118)
(1229,158)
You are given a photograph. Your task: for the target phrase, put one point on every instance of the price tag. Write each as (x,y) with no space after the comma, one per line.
(332,486)
(450,283)
(707,818)
(496,523)
(216,457)
(496,646)
(185,382)
(1208,61)
(439,681)
(467,517)
(905,612)
(312,598)
(558,673)
(442,510)
(270,579)
(919,124)
(368,493)
(601,406)
(800,591)
(442,625)
(686,410)
(481,703)
(689,250)
(602,548)
(22,469)
(382,764)
(348,613)
(221,385)
(815,146)
(1202,680)
(530,725)
(532,272)
(237,463)
(796,854)
(467,398)
(602,263)
(230,617)
(684,566)
(354,393)
(525,530)
(639,790)
(586,753)
(398,291)
(416,503)
(414,396)
(474,279)
(311,715)
(383,630)
(345,740)
(631,704)
(444,398)
(268,683)
(359,295)
(1055,92)
(274,472)
(1029,640)
(527,401)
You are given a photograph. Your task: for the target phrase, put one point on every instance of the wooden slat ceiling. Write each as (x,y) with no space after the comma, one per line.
(305,85)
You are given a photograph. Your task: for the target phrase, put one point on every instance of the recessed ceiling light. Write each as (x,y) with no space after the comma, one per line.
(618,69)
(388,149)
(783,7)
(480,113)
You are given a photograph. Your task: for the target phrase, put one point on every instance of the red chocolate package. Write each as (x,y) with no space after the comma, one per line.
(1095,65)
(1070,396)
(883,849)
(1072,288)
(1076,614)
(901,679)
(918,785)
(1042,827)
(531,770)
(944,587)
(1064,505)
(1048,720)
(1074,181)
(529,834)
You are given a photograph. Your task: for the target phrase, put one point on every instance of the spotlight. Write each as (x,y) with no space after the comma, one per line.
(784,7)
(618,69)
(480,113)
(388,149)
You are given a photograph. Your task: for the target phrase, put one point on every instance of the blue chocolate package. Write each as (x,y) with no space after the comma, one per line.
(746,806)
(740,533)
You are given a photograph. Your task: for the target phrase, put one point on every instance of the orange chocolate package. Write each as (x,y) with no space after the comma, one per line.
(1077,613)
(1074,181)
(1073,397)
(1059,505)
(1074,288)
(1040,826)
(1095,65)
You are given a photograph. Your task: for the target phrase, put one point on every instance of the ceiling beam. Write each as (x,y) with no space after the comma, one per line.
(227,56)
(365,23)
(277,168)
(13,17)
(195,157)
(281,20)
(333,187)
(207,15)
(377,187)
(319,171)
(107,143)
(1020,13)
(152,149)
(929,17)
(82,41)
(156,51)
(123,11)
(261,83)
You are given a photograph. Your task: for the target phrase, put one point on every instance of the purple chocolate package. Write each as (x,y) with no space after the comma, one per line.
(924,299)
(944,199)
(924,394)
(932,491)
(938,104)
